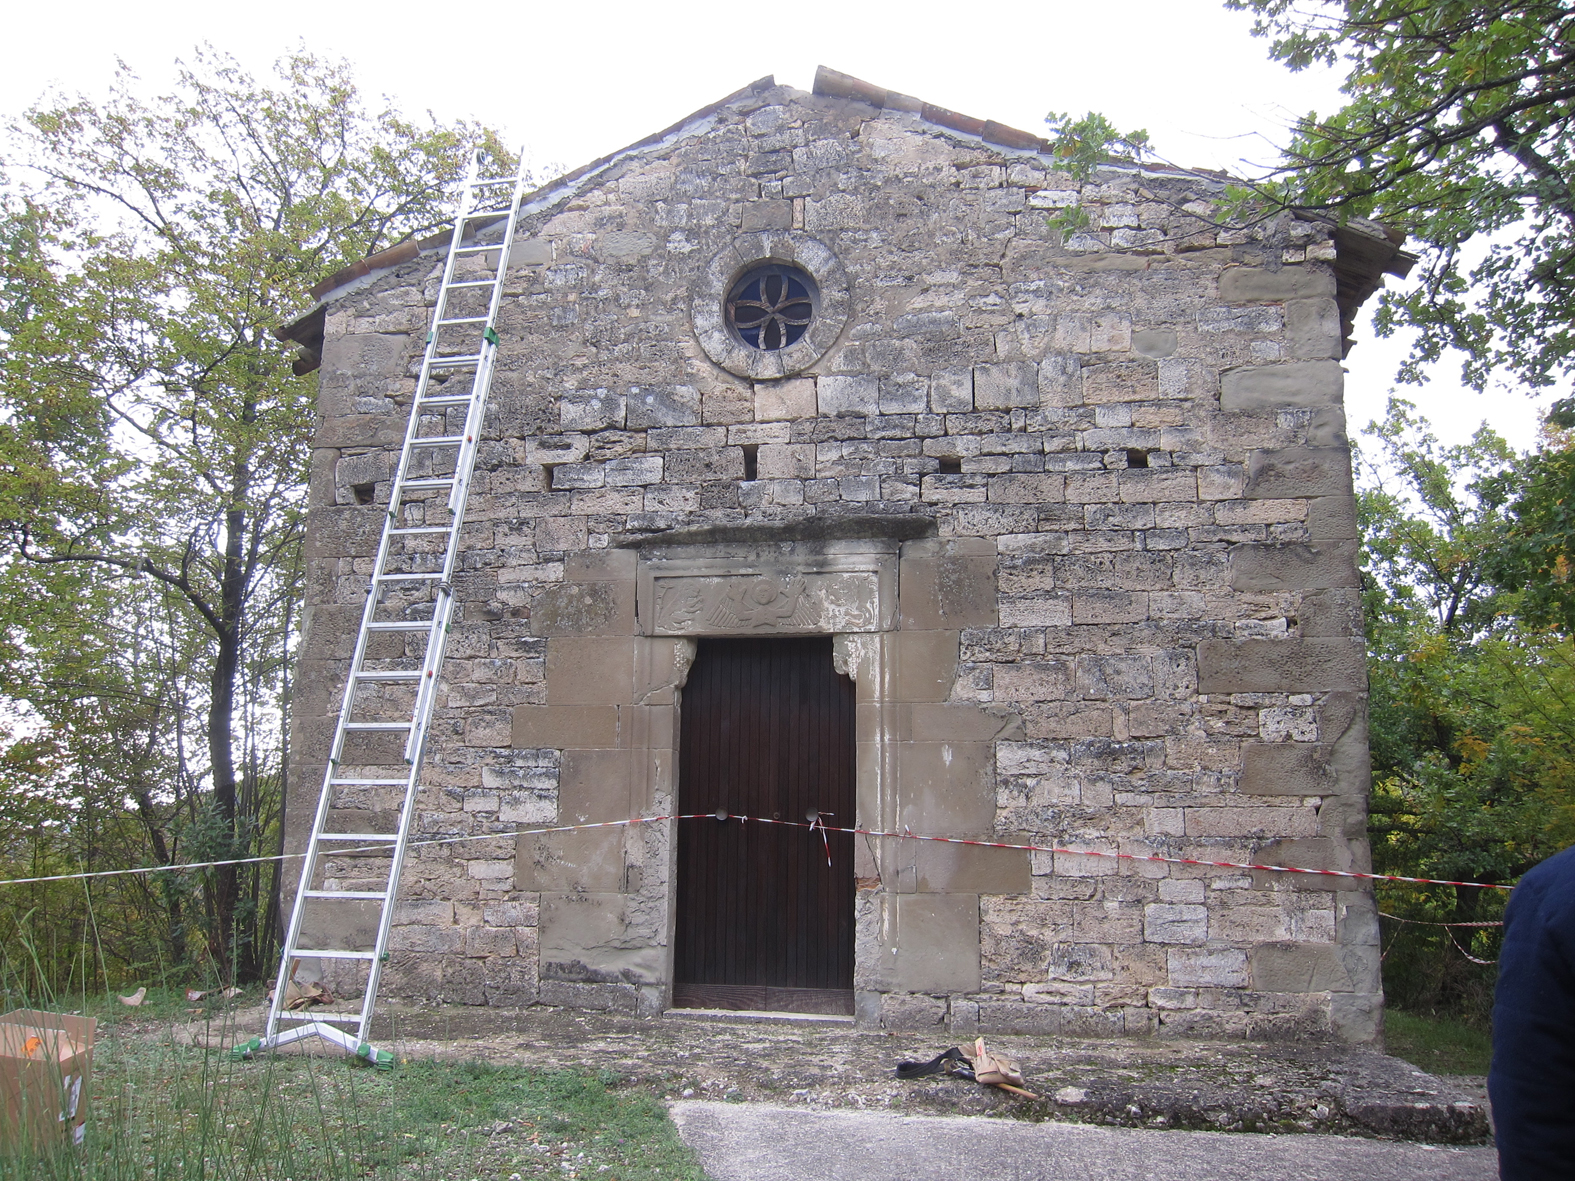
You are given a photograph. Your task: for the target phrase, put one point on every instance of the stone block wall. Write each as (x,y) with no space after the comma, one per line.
(1109,468)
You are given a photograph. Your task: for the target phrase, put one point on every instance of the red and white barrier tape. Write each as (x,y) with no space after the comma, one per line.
(816,824)
(913,836)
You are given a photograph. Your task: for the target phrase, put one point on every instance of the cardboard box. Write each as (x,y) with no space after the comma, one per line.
(46,1068)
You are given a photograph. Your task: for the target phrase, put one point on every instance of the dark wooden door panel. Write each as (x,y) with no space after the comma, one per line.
(767,730)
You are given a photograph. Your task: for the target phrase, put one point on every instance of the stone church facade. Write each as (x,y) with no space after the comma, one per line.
(1070,506)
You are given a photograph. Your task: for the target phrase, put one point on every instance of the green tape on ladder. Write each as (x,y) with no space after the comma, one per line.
(382,1059)
(245,1050)
(490,335)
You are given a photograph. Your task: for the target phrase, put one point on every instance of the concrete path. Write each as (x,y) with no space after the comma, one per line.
(756,1142)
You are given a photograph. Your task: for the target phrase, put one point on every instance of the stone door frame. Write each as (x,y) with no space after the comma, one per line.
(843,589)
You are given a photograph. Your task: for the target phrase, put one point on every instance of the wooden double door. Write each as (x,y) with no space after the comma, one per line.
(763,922)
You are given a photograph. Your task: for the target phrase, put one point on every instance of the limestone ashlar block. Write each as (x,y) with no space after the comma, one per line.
(1298,385)
(1298,472)
(599,938)
(972,869)
(594,786)
(584,670)
(947,584)
(1259,285)
(1311,853)
(592,410)
(785,401)
(1331,517)
(360,430)
(662,405)
(1286,769)
(1005,385)
(947,788)
(590,859)
(584,609)
(1319,565)
(343,531)
(839,396)
(1312,329)
(1207,967)
(563,726)
(1298,967)
(1330,613)
(937,942)
(951,391)
(921,665)
(605,565)
(1281,666)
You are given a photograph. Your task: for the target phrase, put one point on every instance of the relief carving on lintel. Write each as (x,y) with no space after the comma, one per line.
(814,596)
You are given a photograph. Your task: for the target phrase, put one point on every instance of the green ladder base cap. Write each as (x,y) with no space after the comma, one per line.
(382,1059)
(246,1049)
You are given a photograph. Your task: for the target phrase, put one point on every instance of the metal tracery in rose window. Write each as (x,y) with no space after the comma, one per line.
(771,307)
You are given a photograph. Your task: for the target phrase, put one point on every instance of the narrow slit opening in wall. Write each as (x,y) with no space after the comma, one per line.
(751,461)
(1136,457)
(363,493)
(951,465)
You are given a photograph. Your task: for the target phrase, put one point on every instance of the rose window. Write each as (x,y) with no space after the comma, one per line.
(772,306)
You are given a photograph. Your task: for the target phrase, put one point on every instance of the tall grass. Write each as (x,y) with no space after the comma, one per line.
(169,1103)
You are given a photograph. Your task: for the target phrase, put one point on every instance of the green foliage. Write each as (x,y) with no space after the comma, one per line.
(1081,146)
(154,443)
(1473,708)
(1457,129)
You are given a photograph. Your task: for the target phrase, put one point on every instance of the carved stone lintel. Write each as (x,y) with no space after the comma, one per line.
(814,593)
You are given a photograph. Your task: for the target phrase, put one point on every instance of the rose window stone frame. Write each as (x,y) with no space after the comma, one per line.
(748,253)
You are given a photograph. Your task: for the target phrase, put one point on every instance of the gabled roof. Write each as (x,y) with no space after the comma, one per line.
(1365,250)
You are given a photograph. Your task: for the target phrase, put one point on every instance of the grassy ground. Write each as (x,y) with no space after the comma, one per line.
(162,1112)
(1437,1044)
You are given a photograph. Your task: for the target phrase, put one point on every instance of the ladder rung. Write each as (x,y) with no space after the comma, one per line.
(351,895)
(471,283)
(358,836)
(392,675)
(446,400)
(418,529)
(369,782)
(479,249)
(413,626)
(461,320)
(456,360)
(304,953)
(316,1015)
(438,441)
(390,726)
(434,482)
(407,577)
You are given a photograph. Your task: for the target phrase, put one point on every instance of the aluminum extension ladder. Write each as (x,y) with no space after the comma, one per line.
(391,690)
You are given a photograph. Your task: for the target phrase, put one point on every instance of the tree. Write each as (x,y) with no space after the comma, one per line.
(1473,708)
(1457,130)
(154,439)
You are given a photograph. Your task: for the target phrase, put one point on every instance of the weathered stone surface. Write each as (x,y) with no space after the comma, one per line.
(1286,769)
(1293,566)
(565,726)
(1298,967)
(1298,385)
(937,945)
(1280,666)
(585,609)
(1298,472)
(1257,285)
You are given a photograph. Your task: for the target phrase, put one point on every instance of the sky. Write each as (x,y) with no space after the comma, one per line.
(574,81)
